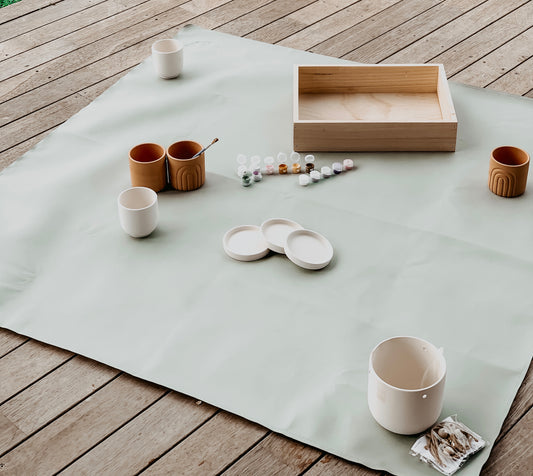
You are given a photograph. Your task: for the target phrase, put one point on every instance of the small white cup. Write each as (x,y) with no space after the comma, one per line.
(138,212)
(406,380)
(168,58)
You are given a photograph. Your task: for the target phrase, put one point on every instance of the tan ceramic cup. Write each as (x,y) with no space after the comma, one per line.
(148,166)
(186,173)
(508,171)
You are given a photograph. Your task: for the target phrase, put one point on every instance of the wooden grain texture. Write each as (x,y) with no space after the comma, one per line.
(72,41)
(449,34)
(94,12)
(23,25)
(350,17)
(211,448)
(517,81)
(333,466)
(513,455)
(499,62)
(22,9)
(144,438)
(277,455)
(512,32)
(78,430)
(27,363)
(41,403)
(256,19)
(374,26)
(9,340)
(522,402)
(402,36)
(296,21)
(10,155)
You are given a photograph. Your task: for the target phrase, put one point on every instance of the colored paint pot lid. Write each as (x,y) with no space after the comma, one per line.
(245,243)
(308,249)
(276,230)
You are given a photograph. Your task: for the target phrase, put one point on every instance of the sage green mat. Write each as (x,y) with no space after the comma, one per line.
(421,248)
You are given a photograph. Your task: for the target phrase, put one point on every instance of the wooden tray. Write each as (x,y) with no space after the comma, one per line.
(373,108)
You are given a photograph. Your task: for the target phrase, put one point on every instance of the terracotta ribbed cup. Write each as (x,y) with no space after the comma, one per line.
(186,173)
(148,166)
(508,171)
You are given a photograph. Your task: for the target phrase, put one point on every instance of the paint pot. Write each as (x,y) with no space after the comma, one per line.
(406,380)
(337,168)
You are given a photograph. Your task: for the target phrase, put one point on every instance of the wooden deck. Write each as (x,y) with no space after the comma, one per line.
(61,412)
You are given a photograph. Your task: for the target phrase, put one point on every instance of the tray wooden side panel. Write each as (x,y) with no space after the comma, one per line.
(374,136)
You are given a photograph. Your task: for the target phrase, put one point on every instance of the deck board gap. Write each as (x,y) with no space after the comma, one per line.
(229,465)
(26,5)
(476,32)
(277,19)
(53,21)
(318,458)
(15,348)
(357,23)
(37,380)
(317,21)
(113,432)
(483,56)
(447,23)
(238,16)
(502,434)
(29,435)
(508,71)
(97,39)
(385,32)
(168,450)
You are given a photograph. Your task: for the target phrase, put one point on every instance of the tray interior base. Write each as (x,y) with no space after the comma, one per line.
(395,106)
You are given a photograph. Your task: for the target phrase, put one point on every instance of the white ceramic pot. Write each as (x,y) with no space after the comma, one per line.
(406,380)
(138,211)
(167,56)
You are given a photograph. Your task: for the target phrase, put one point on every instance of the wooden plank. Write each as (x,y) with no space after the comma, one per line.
(517,81)
(227,12)
(378,24)
(513,455)
(20,9)
(257,18)
(52,31)
(23,25)
(211,448)
(448,35)
(26,364)
(489,68)
(416,28)
(50,116)
(277,455)
(529,94)
(522,402)
(139,36)
(36,406)
(9,156)
(66,438)
(72,434)
(333,466)
(497,36)
(346,19)
(144,438)
(71,42)
(9,340)
(296,21)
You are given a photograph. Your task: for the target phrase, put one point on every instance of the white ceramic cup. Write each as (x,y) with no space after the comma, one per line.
(138,212)
(406,380)
(168,58)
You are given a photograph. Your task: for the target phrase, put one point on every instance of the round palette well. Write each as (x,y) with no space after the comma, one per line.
(308,249)
(245,243)
(276,230)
